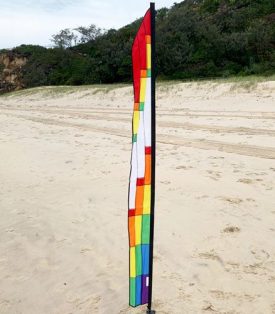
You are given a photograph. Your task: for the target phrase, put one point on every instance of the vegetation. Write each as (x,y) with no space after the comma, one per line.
(66,38)
(195,39)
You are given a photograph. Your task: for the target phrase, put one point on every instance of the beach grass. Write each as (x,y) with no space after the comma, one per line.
(238,82)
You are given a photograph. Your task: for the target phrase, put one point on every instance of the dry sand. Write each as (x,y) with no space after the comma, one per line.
(64,171)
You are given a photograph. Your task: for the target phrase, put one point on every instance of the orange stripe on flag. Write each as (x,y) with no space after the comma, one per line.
(132,231)
(143,73)
(147,169)
(148,39)
(139,199)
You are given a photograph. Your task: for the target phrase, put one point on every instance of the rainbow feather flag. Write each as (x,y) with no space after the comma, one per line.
(142,177)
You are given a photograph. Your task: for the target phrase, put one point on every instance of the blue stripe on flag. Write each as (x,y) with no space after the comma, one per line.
(138,290)
(145,259)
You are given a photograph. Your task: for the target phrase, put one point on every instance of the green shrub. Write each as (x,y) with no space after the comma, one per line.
(195,39)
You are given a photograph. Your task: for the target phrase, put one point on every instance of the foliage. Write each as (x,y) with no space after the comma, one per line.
(29,50)
(2,67)
(67,38)
(64,39)
(195,39)
(88,33)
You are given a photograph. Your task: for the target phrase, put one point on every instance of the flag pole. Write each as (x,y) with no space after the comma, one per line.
(153,125)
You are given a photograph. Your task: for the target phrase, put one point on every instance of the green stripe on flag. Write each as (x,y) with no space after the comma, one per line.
(141,106)
(133,291)
(145,229)
(138,261)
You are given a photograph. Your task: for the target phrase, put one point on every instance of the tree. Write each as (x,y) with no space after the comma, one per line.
(88,33)
(195,38)
(64,39)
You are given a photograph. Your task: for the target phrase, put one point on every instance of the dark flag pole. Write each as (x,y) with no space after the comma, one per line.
(153,91)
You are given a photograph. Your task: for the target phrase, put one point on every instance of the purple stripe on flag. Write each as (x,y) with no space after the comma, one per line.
(145,289)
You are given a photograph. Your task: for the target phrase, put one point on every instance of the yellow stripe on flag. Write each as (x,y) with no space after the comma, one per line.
(142,89)
(135,122)
(138,221)
(147,200)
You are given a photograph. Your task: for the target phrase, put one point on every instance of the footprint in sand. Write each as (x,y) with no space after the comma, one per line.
(209,307)
(212,255)
(214,175)
(184,167)
(245,181)
(85,250)
(241,297)
(165,182)
(231,229)
(232,200)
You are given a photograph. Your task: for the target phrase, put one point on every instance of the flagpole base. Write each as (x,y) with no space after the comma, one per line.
(150,312)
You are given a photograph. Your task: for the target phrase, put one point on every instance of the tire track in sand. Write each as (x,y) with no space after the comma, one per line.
(187,113)
(167,124)
(246,150)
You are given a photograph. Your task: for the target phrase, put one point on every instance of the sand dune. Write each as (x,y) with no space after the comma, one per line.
(64,171)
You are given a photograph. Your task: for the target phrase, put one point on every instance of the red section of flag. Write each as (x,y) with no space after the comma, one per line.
(131,212)
(140,181)
(139,53)
(148,150)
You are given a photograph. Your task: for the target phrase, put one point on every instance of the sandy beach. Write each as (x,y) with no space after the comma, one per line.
(65,160)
